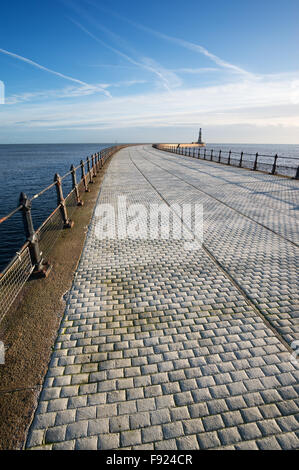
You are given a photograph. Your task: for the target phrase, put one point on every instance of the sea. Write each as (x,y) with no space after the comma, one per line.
(29,168)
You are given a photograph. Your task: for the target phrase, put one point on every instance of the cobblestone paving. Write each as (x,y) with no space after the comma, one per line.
(162,348)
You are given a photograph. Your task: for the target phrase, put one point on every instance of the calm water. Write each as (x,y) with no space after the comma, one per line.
(30,168)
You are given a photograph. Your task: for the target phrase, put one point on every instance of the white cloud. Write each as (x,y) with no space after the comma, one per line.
(46,69)
(267,102)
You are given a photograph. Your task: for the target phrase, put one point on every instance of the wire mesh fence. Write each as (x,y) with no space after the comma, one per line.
(272,164)
(33,258)
(14,277)
(49,232)
(71,202)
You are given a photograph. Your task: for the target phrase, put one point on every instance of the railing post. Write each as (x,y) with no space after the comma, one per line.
(75,186)
(297,174)
(211,154)
(274,165)
(89,170)
(41,268)
(198,154)
(204,154)
(241,159)
(93,166)
(229,155)
(219,158)
(255,161)
(67,223)
(83,176)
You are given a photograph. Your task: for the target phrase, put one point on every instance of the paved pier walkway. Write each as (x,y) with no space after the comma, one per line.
(165,347)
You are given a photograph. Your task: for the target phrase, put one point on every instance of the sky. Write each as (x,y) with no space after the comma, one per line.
(139,71)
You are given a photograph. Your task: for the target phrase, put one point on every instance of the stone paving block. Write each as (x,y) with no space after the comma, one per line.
(193,426)
(146,404)
(35,438)
(288,423)
(131,438)
(212,423)
(229,436)
(55,434)
(119,423)
(140,420)
(247,445)
(45,420)
(98,426)
(59,404)
(187,443)
(184,398)
(172,430)
(169,444)
(88,412)
(87,443)
(165,401)
(108,441)
(198,410)
(160,416)
(249,431)
(76,430)
(66,445)
(288,441)
(208,440)
(251,414)
(152,434)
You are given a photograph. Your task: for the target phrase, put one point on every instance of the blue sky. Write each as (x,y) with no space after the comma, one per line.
(135,71)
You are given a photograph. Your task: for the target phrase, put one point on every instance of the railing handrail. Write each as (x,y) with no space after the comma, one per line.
(35,196)
(185,150)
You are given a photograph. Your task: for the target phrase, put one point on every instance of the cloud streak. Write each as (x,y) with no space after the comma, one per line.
(180,42)
(167,78)
(53,72)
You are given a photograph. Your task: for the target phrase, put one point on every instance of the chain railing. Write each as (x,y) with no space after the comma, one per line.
(33,257)
(272,164)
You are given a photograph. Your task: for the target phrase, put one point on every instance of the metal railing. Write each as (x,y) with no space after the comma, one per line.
(33,257)
(272,164)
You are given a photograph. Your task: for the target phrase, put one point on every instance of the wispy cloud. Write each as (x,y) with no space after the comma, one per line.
(255,103)
(168,78)
(67,92)
(199,49)
(196,71)
(53,72)
(180,42)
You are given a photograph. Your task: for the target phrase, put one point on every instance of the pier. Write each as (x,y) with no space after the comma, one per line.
(165,345)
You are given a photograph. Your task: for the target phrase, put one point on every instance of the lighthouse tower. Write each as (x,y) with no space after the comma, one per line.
(199,137)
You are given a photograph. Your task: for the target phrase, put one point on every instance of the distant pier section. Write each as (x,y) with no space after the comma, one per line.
(199,143)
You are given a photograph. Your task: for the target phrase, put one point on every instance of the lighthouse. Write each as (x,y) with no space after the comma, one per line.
(199,142)
(199,137)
